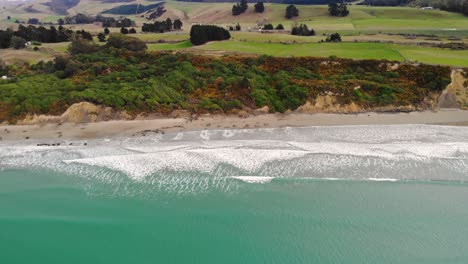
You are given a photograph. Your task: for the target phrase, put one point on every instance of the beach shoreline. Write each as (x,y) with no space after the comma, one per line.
(129,128)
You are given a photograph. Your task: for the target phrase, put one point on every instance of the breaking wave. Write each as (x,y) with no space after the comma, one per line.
(202,160)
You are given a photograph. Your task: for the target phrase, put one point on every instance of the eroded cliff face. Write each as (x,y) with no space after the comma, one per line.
(83,112)
(454,96)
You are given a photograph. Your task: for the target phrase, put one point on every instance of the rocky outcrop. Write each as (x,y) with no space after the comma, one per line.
(79,113)
(456,94)
(329,104)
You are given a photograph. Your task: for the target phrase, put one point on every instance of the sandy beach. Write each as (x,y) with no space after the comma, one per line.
(167,125)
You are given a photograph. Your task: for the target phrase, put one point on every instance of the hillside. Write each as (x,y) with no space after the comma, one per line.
(361,17)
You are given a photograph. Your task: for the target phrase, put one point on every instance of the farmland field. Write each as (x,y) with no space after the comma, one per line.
(348,50)
(400,31)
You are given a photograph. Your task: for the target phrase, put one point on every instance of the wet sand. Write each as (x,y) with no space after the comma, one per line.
(167,125)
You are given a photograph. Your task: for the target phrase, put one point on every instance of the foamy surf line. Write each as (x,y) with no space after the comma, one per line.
(365,153)
(345,179)
(253,179)
(266,179)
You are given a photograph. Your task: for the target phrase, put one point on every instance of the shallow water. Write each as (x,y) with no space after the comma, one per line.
(358,194)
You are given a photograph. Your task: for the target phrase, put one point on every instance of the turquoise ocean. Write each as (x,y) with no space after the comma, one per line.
(350,194)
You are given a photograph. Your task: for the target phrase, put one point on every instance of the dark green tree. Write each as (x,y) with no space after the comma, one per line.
(101,37)
(132,31)
(177,24)
(18,43)
(5,38)
(236,10)
(280,27)
(121,41)
(239,8)
(268,27)
(259,7)
(302,30)
(291,11)
(238,27)
(200,34)
(106,31)
(169,24)
(80,45)
(123,30)
(338,10)
(465,8)
(335,37)
(33,21)
(244,6)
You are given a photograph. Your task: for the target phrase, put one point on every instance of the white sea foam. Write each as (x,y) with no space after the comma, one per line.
(382,179)
(208,158)
(253,179)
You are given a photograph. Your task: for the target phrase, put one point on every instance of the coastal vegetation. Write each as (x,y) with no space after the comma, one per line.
(122,75)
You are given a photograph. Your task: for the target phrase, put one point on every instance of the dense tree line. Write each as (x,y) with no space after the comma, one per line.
(235,28)
(457,6)
(162,26)
(124,30)
(40,34)
(106,21)
(271,27)
(240,8)
(302,30)
(291,11)
(33,21)
(61,6)
(386,2)
(294,2)
(132,9)
(157,13)
(201,34)
(121,75)
(340,10)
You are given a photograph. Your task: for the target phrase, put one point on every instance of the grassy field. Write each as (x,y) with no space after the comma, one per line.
(347,50)
(167,46)
(361,18)
(20,57)
(168,37)
(364,24)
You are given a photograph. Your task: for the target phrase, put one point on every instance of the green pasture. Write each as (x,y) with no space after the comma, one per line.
(168,46)
(347,50)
